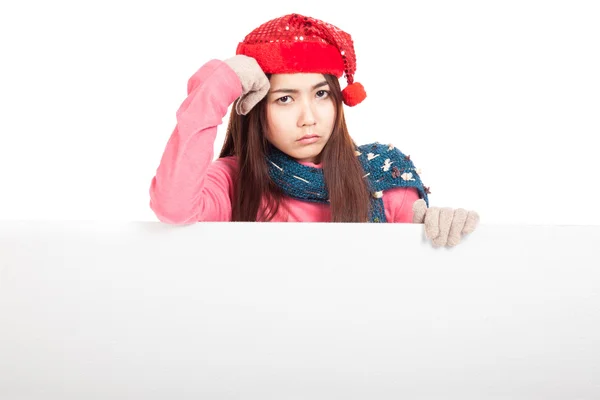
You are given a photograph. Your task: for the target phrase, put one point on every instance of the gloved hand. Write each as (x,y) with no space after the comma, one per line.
(444,226)
(255,84)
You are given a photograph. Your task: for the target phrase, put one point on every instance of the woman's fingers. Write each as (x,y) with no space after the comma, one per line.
(445,222)
(458,223)
(471,222)
(432,222)
(419,209)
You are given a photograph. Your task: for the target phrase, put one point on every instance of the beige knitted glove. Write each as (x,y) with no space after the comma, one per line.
(444,226)
(255,84)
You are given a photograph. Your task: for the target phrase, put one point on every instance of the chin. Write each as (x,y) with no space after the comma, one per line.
(311,154)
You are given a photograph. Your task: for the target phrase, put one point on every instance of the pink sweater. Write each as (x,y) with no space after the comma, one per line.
(189,186)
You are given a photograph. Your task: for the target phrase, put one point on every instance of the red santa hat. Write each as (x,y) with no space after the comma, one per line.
(295,43)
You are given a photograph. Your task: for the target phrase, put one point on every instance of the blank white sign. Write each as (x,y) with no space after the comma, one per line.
(103,310)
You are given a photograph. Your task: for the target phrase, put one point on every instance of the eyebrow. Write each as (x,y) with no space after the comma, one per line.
(283,90)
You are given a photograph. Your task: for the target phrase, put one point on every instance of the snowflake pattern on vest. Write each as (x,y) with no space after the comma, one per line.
(385,167)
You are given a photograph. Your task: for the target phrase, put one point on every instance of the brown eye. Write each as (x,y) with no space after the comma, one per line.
(283,100)
(322,93)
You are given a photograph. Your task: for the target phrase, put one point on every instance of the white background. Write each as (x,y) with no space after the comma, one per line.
(497,102)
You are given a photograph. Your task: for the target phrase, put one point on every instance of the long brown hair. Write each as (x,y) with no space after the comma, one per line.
(343,174)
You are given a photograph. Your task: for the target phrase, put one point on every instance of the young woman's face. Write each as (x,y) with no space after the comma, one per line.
(300,115)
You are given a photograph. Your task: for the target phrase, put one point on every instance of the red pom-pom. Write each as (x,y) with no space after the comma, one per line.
(353,94)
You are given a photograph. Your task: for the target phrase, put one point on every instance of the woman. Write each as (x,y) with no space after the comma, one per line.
(288,155)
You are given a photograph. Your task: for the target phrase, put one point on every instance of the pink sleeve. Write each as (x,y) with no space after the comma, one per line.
(398,204)
(189,186)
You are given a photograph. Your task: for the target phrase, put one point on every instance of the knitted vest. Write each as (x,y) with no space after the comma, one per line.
(385,167)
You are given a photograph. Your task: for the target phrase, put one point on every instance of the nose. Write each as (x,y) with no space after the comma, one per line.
(307,115)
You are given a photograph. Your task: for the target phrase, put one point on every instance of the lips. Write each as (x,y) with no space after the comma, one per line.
(306,137)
